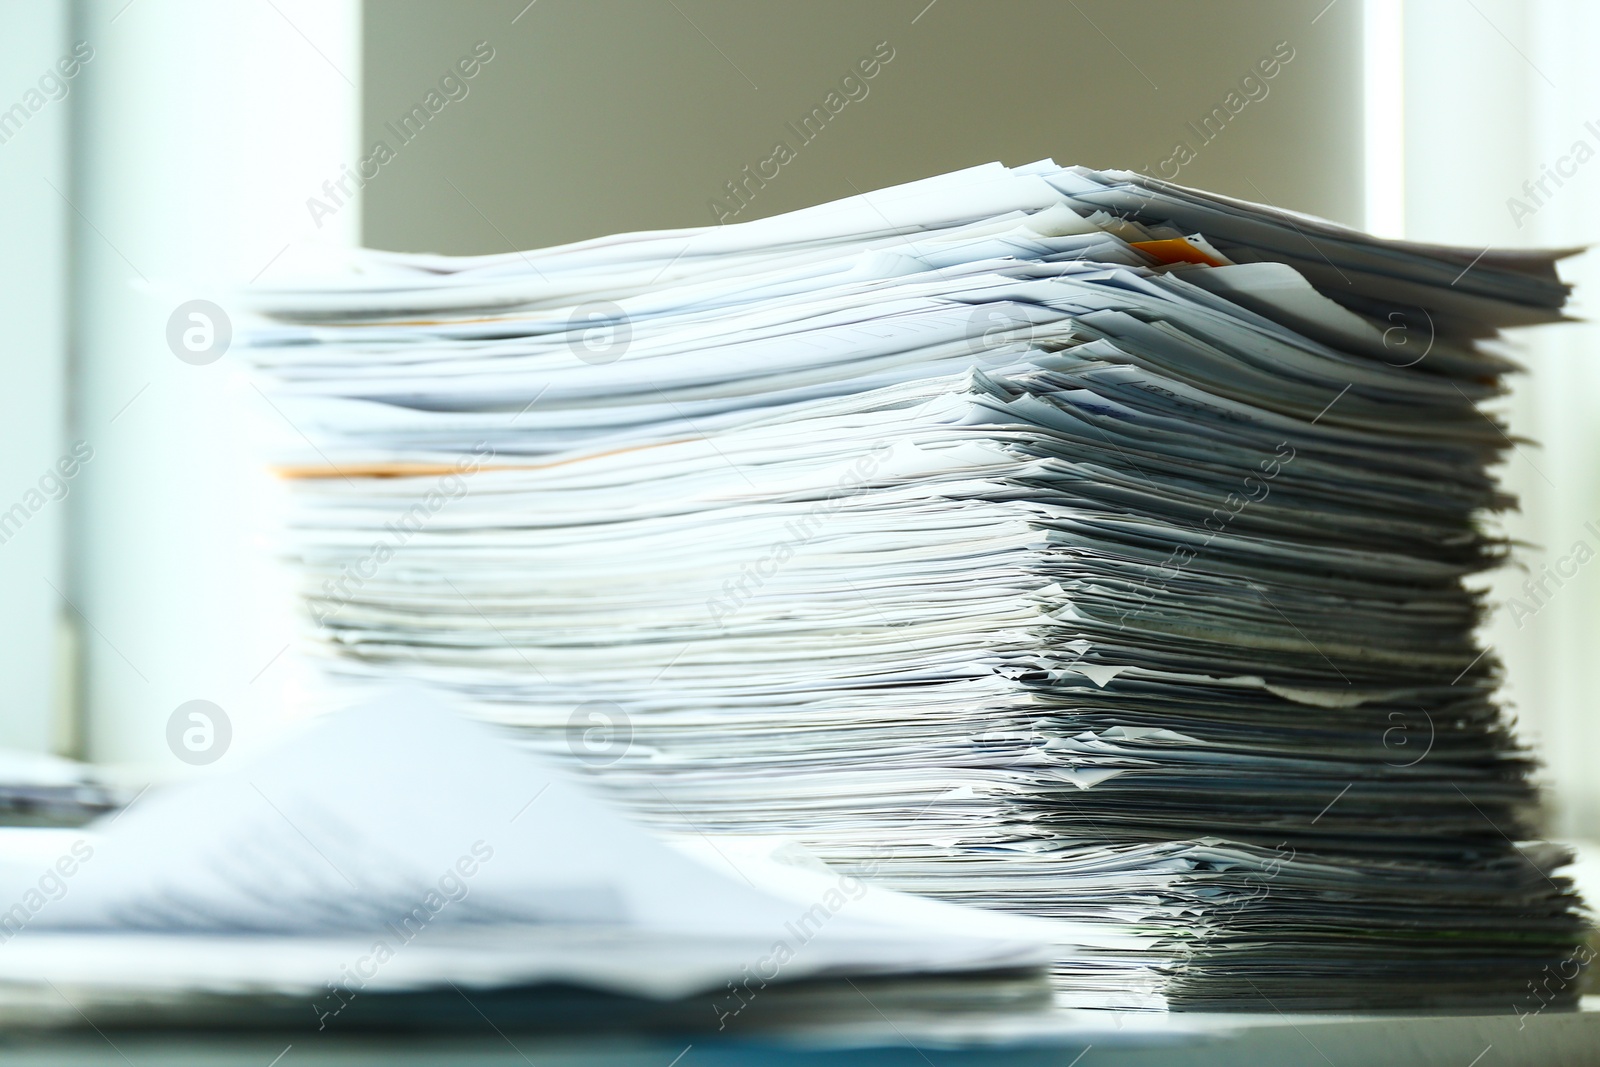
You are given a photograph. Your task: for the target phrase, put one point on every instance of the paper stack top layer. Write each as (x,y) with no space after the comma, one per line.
(1041,538)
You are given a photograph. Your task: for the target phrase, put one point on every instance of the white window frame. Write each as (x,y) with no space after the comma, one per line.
(34,226)
(201,130)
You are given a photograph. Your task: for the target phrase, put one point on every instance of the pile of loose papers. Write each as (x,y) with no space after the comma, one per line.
(393,850)
(36,789)
(1039,538)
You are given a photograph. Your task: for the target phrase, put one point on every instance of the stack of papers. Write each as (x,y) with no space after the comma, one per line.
(42,790)
(1045,539)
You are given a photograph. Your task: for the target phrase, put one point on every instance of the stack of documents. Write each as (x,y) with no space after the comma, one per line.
(41,790)
(1044,539)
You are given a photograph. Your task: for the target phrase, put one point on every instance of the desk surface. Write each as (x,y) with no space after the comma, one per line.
(1061,1039)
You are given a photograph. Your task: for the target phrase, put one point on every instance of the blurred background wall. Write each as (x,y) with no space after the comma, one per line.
(613,115)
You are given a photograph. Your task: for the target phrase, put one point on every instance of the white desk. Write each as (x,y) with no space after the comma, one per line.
(1185,1040)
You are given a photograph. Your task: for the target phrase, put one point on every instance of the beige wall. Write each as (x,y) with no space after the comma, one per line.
(608,115)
